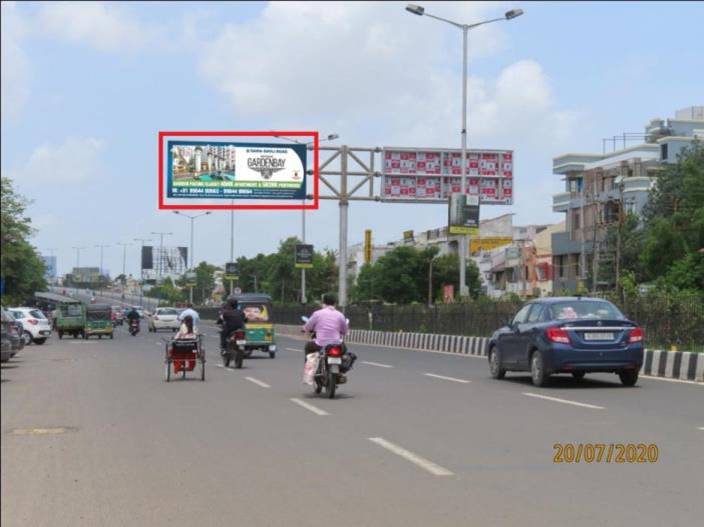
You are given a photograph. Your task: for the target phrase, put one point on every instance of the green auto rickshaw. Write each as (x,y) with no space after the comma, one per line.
(259,329)
(98,321)
(70,318)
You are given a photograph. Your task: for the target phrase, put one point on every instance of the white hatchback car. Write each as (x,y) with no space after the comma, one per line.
(164,318)
(37,327)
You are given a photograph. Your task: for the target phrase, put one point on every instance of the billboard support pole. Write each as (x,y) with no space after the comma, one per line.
(303,271)
(344,209)
(464,290)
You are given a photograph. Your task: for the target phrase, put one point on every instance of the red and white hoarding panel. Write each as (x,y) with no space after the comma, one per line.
(430,175)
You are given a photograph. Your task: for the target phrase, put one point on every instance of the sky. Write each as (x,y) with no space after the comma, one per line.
(86,86)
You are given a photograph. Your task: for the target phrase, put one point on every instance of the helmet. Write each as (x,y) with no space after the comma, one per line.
(232,301)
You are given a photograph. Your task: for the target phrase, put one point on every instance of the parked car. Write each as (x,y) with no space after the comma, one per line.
(575,335)
(35,326)
(9,337)
(164,318)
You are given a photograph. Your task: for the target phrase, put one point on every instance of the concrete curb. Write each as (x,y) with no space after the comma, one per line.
(683,365)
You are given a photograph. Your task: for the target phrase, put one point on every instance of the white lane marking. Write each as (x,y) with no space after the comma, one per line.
(700,428)
(219,365)
(258,382)
(307,406)
(453,379)
(683,381)
(564,401)
(377,364)
(293,349)
(230,369)
(423,463)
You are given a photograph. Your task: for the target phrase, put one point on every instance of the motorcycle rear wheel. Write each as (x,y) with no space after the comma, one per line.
(331,386)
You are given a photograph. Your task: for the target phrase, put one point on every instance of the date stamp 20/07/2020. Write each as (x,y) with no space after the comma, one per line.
(605,453)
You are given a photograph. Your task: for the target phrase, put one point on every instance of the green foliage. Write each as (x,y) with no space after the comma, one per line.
(167,292)
(21,266)
(401,276)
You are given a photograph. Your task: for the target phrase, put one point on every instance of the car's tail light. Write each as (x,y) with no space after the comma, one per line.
(636,335)
(557,335)
(33,321)
(335,351)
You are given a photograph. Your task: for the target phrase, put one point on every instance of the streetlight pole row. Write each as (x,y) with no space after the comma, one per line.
(192,219)
(420,11)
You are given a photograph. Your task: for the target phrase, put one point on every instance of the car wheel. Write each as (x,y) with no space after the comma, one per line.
(628,377)
(537,369)
(497,372)
(578,375)
(27,337)
(39,341)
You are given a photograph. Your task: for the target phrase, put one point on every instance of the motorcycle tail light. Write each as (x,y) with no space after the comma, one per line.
(33,321)
(636,335)
(558,335)
(239,335)
(335,351)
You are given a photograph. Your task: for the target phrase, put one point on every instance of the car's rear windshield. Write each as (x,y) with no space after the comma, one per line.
(166,312)
(71,310)
(585,309)
(98,315)
(256,312)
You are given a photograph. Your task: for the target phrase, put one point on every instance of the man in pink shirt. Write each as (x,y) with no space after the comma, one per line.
(329,325)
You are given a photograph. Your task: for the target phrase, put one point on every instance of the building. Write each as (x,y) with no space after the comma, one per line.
(601,188)
(49,268)
(510,259)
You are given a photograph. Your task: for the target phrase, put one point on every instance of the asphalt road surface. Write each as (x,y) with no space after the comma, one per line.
(92,435)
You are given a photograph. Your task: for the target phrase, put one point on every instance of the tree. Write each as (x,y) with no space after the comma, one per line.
(446,271)
(21,267)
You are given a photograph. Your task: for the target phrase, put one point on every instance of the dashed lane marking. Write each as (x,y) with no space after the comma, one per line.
(453,379)
(258,382)
(564,401)
(377,364)
(308,406)
(425,464)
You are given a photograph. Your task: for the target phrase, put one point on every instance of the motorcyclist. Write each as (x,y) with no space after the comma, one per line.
(330,326)
(133,314)
(231,319)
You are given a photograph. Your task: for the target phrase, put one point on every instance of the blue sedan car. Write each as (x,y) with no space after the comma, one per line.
(574,335)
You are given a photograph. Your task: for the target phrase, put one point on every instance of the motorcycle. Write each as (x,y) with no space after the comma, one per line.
(134,327)
(235,349)
(332,361)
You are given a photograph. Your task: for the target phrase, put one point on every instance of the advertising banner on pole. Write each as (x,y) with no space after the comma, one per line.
(304,256)
(487,243)
(427,175)
(463,214)
(232,271)
(235,171)
(367,246)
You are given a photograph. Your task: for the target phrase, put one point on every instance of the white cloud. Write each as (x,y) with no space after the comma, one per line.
(73,161)
(14,69)
(105,26)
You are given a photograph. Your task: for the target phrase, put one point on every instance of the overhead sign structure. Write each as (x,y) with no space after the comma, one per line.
(229,170)
(427,175)
(304,256)
(232,271)
(463,214)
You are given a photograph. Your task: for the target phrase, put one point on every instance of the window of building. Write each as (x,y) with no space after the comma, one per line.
(663,152)
(575,219)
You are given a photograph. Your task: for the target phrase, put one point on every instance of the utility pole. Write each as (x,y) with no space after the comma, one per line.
(344,209)
(124,257)
(141,268)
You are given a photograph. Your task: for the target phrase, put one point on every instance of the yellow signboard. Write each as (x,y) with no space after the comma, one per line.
(368,246)
(487,243)
(462,229)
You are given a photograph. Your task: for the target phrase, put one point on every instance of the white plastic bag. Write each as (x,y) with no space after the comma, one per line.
(311,366)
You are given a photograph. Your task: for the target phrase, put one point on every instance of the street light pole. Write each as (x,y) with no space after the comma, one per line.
(420,11)
(161,250)
(141,269)
(100,269)
(78,255)
(192,250)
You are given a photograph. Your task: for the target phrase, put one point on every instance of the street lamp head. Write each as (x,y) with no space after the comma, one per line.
(176,212)
(513,13)
(332,137)
(415,9)
(207,213)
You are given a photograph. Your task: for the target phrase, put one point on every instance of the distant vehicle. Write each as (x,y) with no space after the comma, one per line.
(68,315)
(259,328)
(36,328)
(98,321)
(118,315)
(164,318)
(576,335)
(10,339)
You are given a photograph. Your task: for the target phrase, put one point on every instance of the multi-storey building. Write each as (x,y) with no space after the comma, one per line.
(601,188)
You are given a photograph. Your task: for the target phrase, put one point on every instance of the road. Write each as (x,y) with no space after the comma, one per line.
(413,439)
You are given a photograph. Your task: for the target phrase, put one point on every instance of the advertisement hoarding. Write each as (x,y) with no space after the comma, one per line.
(234,170)
(487,243)
(463,214)
(431,175)
(304,256)
(232,270)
